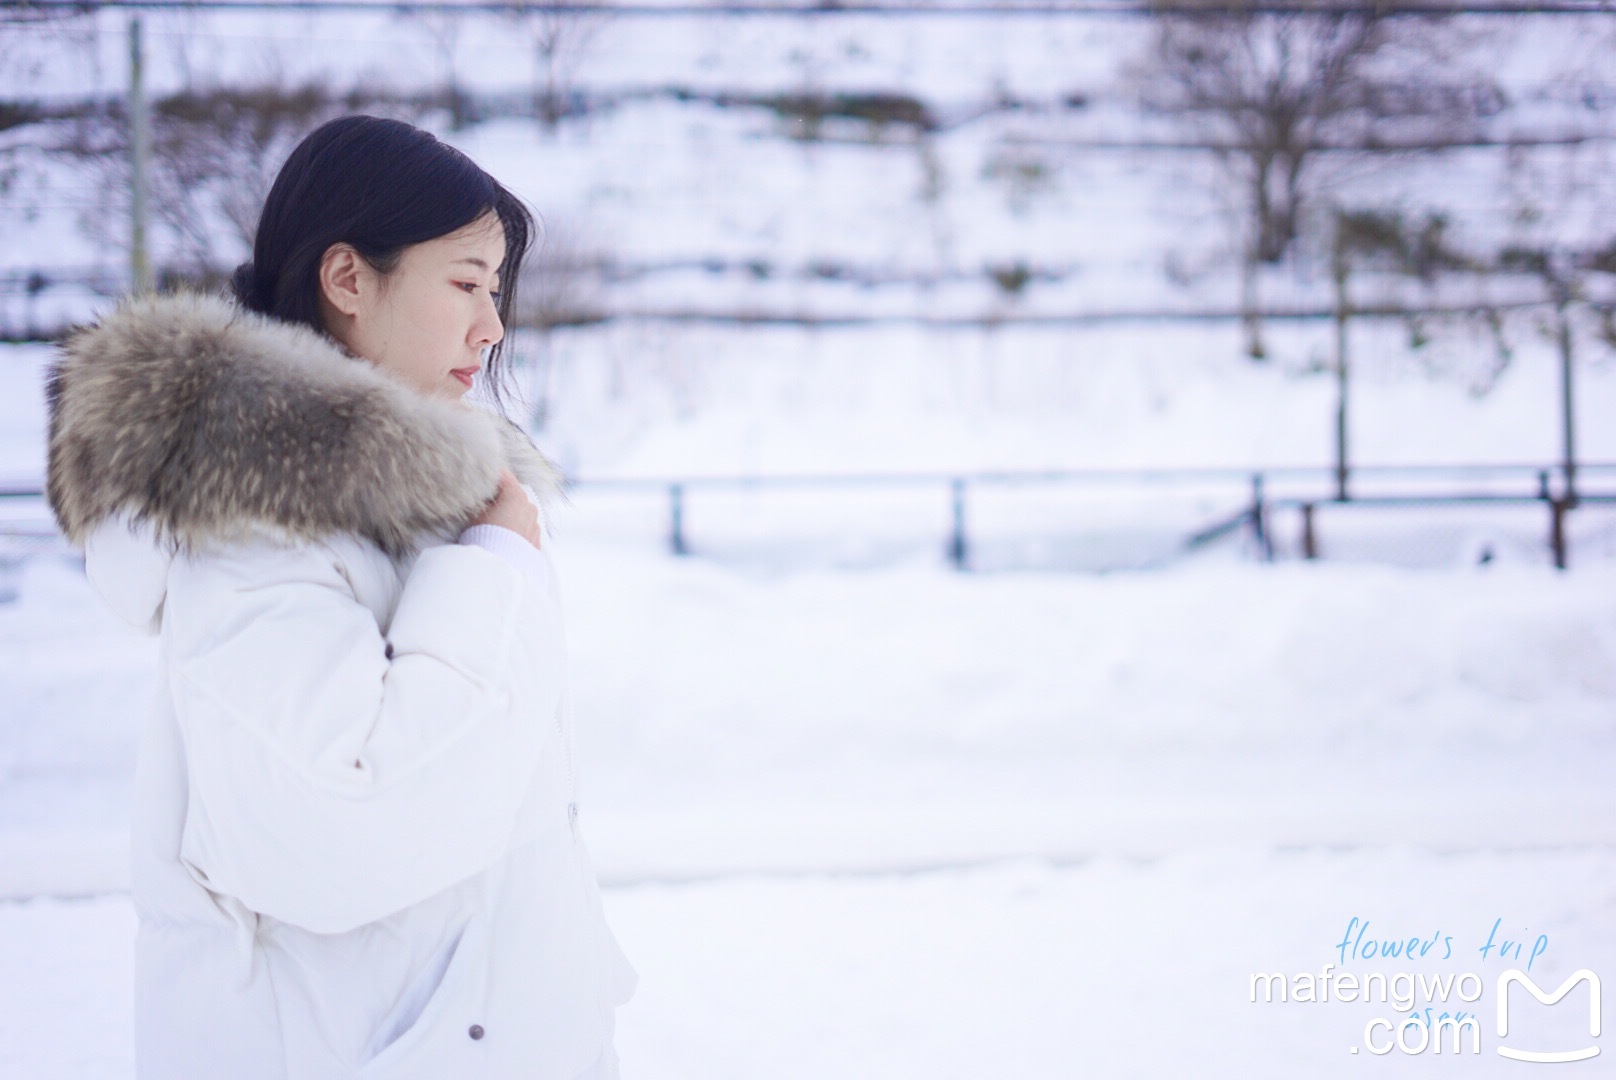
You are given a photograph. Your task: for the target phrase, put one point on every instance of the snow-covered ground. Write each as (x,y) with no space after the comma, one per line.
(1108,967)
(907,822)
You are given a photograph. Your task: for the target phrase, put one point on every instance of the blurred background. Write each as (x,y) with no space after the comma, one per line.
(1071,503)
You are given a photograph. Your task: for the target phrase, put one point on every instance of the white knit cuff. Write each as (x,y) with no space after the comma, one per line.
(513,547)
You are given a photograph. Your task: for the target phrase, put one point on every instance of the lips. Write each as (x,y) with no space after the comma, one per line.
(464,374)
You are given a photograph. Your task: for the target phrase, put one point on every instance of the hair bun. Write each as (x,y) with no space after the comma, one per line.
(247,288)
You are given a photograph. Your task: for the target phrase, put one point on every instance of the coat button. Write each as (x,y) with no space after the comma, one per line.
(476,1031)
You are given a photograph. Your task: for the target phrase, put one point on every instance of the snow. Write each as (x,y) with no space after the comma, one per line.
(856,813)
(679,401)
(648,178)
(1108,967)
(910,822)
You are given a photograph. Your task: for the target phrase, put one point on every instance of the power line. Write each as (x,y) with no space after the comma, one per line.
(837,8)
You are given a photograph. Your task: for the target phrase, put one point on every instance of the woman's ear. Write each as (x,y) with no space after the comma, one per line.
(342,269)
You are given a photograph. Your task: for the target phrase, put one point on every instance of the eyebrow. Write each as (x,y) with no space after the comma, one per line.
(475,262)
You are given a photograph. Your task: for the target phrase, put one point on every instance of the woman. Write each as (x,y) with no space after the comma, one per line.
(356,849)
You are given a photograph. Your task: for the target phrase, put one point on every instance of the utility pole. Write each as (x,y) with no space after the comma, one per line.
(1339,272)
(1568,411)
(140,268)
(1558,269)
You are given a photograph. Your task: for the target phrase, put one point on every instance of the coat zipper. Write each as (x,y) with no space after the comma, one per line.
(563,729)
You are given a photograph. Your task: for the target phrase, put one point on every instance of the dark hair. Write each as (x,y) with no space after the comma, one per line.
(380,185)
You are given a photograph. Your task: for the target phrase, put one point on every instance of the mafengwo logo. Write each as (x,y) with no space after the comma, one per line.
(1509,978)
(1457,1028)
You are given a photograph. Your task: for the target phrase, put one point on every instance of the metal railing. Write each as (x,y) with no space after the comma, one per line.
(1301,488)
(1305,489)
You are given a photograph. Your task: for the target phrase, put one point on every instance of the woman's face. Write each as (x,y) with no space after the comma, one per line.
(430,319)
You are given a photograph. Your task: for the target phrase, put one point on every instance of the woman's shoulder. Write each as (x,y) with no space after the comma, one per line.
(136,567)
(258,551)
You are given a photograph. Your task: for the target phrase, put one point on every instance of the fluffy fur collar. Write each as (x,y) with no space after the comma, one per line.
(207,421)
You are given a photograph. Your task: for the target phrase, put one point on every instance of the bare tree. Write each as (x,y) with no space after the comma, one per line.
(214,155)
(29,37)
(561,39)
(1271,92)
(560,287)
(443,27)
(1574,282)
(1566,275)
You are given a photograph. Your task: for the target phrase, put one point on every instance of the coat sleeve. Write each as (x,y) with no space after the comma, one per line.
(336,776)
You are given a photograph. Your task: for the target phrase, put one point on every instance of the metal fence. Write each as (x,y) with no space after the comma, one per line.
(1251,504)
(1265,494)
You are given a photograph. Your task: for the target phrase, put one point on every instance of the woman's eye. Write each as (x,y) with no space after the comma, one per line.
(469,286)
(496,294)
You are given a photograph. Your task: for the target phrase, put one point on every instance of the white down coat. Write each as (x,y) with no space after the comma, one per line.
(356,843)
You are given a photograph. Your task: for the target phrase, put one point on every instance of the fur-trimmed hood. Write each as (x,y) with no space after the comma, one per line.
(205,422)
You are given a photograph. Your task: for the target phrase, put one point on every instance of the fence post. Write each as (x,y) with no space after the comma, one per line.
(1568,410)
(1557,512)
(1310,543)
(1557,541)
(956,544)
(676,518)
(1259,527)
(140,265)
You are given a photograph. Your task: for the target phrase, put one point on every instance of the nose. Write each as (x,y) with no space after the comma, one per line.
(488,330)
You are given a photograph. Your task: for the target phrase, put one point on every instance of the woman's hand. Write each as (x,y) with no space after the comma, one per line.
(512,509)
